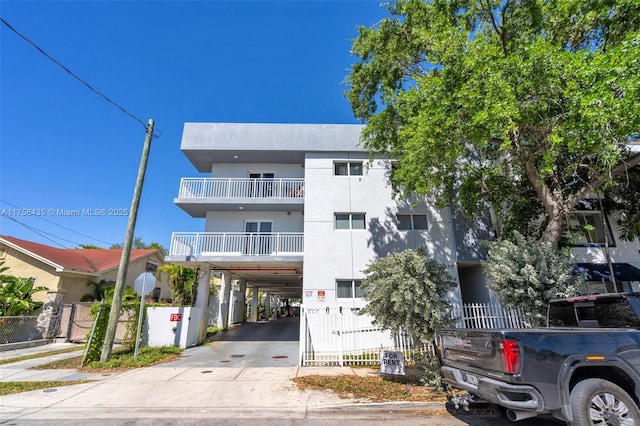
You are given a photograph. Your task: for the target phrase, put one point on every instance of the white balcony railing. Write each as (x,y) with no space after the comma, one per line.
(241,188)
(236,244)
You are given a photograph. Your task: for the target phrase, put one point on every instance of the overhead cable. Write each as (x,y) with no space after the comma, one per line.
(60,226)
(75,76)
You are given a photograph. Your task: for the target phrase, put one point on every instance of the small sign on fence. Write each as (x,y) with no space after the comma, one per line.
(175,317)
(392,362)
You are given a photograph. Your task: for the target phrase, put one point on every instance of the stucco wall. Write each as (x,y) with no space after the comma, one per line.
(73,285)
(235,221)
(332,254)
(23,266)
(242,170)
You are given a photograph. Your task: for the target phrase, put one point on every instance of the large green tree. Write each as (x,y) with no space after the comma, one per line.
(525,105)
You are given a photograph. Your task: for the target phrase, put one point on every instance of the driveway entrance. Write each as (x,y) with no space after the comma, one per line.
(262,344)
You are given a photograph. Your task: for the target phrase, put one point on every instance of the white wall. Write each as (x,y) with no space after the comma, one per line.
(160,330)
(332,254)
(280,171)
(235,221)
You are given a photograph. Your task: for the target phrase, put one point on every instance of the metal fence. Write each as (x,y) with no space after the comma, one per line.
(236,244)
(241,188)
(27,328)
(338,335)
(486,315)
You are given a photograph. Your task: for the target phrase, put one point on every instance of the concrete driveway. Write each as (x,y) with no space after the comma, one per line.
(251,345)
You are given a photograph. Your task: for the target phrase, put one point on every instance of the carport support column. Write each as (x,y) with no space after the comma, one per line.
(254,305)
(225,295)
(243,299)
(202,300)
(267,306)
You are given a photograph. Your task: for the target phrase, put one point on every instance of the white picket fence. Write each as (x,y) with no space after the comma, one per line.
(485,315)
(338,335)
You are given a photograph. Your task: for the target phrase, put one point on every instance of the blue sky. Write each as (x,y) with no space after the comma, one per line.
(64,147)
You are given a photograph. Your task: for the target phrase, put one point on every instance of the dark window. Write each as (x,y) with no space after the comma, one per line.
(588,227)
(407,222)
(350,220)
(343,221)
(348,168)
(355,169)
(348,289)
(601,312)
(341,169)
(404,222)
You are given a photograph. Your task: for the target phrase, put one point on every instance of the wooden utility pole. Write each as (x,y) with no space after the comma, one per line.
(116,305)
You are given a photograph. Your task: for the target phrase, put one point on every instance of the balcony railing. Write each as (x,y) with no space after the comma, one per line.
(241,188)
(236,244)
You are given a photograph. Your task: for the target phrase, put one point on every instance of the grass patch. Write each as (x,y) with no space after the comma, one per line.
(212,329)
(7,388)
(40,355)
(121,359)
(377,389)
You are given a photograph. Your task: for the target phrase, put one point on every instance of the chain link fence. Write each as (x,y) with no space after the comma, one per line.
(28,328)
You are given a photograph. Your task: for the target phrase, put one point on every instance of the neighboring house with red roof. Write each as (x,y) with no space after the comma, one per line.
(68,272)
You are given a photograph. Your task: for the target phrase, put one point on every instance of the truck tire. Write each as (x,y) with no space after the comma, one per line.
(599,402)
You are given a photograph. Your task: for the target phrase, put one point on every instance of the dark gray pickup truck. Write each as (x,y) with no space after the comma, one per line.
(583,369)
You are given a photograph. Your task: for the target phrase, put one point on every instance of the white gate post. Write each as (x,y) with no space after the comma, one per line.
(254,305)
(225,293)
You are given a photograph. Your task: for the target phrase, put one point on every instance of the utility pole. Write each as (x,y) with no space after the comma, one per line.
(116,305)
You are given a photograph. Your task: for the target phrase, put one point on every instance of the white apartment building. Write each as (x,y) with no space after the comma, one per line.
(299,211)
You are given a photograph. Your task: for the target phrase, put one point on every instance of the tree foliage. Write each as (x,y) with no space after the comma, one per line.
(527,275)
(183,282)
(408,291)
(138,244)
(624,196)
(16,293)
(524,105)
(89,247)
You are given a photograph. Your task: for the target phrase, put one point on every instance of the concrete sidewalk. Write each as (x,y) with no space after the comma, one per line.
(167,392)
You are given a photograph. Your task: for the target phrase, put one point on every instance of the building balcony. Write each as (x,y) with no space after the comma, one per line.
(208,246)
(199,195)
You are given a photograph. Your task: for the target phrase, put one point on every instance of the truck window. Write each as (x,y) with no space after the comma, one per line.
(561,314)
(601,312)
(616,312)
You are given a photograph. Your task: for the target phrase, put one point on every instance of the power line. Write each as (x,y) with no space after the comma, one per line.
(60,226)
(41,232)
(75,76)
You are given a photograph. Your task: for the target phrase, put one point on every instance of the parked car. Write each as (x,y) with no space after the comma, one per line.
(584,369)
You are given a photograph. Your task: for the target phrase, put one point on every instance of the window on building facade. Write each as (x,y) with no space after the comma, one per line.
(348,168)
(408,222)
(589,225)
(350,220)
(348,289)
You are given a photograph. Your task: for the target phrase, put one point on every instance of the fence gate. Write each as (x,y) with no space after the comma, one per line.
(78,321)
(338,335)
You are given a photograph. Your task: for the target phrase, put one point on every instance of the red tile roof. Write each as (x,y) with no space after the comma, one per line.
(82,260)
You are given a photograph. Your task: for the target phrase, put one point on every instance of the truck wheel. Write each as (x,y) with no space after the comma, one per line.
(599,402)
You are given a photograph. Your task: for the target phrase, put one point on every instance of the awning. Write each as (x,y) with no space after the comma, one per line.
(600,271)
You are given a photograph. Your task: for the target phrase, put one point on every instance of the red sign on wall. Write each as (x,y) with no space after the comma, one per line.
(175,317)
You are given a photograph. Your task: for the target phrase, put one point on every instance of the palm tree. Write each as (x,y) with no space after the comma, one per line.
(182,281)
